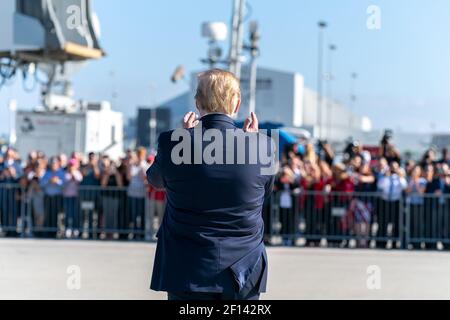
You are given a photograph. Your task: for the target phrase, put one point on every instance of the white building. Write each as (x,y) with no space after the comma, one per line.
(283,98)
(95,129)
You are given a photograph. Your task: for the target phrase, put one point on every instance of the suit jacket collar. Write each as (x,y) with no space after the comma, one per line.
(218,121)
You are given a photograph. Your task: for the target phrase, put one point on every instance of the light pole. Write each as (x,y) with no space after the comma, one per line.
(153,123)
(331,49)
(354,77)
(214,32)
(12,122)
(237,39)
(322,25)
(254,52)
(114,95)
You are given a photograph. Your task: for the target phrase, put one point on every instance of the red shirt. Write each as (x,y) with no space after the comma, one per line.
(156,194)
(319,197)
(316,190)
(344,186)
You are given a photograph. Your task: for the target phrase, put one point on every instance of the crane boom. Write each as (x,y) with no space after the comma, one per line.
(54,37)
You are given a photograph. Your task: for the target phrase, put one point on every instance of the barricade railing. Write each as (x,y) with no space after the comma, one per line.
(93,213)
(336,219)
(427,221)
(328,219)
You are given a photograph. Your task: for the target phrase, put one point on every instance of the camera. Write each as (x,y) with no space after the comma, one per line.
(321,143)
(387,137)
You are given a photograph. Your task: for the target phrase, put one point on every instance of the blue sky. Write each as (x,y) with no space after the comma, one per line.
(404,68)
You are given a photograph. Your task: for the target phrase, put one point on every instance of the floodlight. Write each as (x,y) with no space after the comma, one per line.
(215,31)
(254,28)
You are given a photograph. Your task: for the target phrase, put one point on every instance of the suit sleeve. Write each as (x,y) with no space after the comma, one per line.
(155,172)
(269,187)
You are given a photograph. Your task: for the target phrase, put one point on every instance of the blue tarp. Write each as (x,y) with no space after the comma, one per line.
(285,138)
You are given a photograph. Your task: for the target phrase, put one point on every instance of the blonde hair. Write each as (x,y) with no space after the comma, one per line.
(141,152)
(218,91)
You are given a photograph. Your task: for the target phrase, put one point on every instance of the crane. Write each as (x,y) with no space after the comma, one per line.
(47,41)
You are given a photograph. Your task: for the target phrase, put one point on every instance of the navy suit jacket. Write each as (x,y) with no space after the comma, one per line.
(211,236)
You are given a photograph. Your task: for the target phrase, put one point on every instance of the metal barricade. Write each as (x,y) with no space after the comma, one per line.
(95,213)
(11,208)
(336,219)
(306,218)
(427,221)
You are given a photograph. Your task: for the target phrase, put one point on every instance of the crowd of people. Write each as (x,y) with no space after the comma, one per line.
(363,195)
(74,197)
(320,198)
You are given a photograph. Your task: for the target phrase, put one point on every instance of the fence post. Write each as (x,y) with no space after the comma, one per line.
(406,225)
(276,221)
(23,214)
(271,216)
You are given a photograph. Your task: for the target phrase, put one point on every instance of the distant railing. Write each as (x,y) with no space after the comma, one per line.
(365,220)
(95,213)
(301,218)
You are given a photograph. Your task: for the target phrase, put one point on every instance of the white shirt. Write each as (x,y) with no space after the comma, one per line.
(391,187)
(137,188)
(285,197)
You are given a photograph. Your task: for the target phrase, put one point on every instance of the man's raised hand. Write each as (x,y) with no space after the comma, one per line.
(251,123)
(190,120)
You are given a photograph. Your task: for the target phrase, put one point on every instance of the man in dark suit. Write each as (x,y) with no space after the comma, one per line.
(210,244)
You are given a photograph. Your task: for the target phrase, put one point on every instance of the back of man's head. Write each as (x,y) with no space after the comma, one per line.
(218,92)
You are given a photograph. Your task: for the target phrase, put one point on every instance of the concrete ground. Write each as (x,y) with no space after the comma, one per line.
(32,269)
